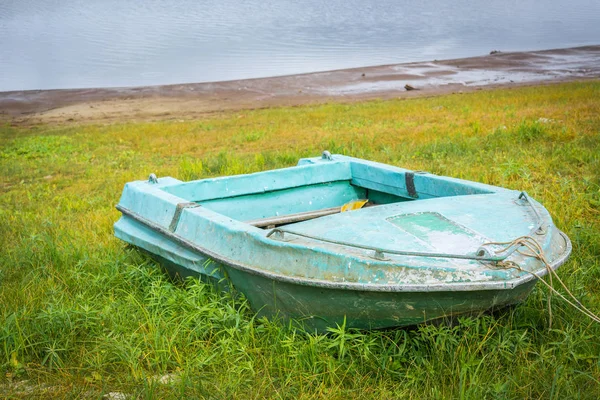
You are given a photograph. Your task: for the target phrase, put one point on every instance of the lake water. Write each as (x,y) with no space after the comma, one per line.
(46,44)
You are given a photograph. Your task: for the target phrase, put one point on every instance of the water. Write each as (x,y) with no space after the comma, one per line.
(47,44)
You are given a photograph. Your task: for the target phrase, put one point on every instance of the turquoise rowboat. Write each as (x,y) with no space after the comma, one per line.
(297,243)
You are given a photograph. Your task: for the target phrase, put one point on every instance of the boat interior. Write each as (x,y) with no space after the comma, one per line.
(275,198)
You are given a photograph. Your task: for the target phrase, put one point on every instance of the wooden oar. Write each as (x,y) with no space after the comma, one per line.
(305,216)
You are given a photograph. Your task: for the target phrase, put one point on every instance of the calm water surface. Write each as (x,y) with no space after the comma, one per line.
(47,44)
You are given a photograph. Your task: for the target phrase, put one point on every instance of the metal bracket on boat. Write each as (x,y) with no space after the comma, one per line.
(540,230)
(326,156)
(177,214)
(482,252)
(409,179)
(380,255)
(152,178)
(276,234)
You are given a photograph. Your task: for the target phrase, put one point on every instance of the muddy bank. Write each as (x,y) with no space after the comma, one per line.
(187,101)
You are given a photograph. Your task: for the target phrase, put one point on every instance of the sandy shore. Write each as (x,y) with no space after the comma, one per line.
(188,101)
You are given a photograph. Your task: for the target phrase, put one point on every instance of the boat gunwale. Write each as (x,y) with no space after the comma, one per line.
(344,174)
(336,161)
(369,287)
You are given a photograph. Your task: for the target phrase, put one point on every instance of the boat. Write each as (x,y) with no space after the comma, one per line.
(339,240)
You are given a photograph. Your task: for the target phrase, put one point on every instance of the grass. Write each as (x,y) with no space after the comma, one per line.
(83,315)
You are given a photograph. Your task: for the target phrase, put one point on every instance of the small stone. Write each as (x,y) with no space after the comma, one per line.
(545,120)
(115,396)
(166,379)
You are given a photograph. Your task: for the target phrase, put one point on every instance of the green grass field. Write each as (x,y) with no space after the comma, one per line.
(83,315)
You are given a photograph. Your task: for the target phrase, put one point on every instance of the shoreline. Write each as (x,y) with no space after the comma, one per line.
(193,100)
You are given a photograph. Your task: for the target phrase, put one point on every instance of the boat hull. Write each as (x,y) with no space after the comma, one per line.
(434,248)
(317,309)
